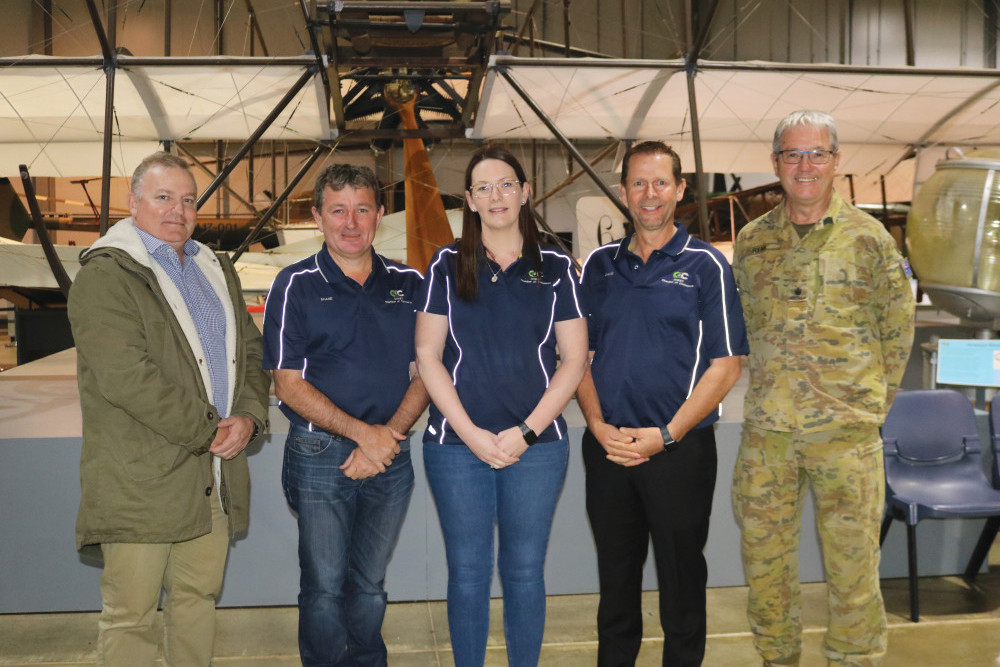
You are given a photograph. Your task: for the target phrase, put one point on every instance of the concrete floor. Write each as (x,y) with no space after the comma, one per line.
(959,627)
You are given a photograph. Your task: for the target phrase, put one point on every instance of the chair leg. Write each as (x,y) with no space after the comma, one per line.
(911,553)
(886,523)
(982,549)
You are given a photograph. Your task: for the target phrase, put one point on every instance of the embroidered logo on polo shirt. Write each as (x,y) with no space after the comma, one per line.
(535,278)
(678,278)
(397,296)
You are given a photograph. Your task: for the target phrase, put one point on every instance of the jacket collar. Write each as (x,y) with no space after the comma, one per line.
(124,236)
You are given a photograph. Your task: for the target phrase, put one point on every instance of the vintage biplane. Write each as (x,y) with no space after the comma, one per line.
(421,72)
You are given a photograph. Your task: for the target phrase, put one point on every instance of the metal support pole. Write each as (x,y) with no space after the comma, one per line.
(109,111)
(261,129)
(208,172)
(561,138)
(541,222)
(567,53)
(310,161)
(696,140)
(167,25)
(697,36)
(572,178)
(43,234)
(911,54)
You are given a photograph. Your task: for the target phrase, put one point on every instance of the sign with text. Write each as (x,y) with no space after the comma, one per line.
(969,362)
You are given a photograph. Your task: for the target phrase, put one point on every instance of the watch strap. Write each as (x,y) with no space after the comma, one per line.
(529,436)
(668,441)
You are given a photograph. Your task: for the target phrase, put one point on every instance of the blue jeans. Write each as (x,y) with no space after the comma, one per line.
(520,499)
(347,531)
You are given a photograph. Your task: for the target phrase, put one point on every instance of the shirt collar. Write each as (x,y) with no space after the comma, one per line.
(675,246)
(155,246)
(830,217)
(331,272)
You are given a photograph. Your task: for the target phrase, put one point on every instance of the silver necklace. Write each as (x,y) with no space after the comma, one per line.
(496,274)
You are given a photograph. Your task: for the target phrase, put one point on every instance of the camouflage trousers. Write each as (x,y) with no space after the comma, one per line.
(845,469)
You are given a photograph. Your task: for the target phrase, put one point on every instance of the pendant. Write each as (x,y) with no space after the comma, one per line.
(493,279)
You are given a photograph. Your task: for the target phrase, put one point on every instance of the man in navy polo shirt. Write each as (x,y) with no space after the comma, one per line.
(666,332)
(338,334)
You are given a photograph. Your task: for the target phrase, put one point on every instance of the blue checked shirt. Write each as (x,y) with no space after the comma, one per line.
(204,306)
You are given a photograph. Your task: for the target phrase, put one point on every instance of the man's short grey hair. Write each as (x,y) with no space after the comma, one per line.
(340,176)
(158,159)
(821,120)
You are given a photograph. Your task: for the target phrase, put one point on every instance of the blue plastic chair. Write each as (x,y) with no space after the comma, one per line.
(933,467)
(992,526)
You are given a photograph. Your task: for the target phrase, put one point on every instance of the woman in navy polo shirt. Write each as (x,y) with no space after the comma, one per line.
(493,307)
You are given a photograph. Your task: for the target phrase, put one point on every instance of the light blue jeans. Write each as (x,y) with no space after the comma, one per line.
(347,531)
(520,500)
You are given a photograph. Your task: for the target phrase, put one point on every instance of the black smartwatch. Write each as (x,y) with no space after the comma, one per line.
(669,444)
(530,436)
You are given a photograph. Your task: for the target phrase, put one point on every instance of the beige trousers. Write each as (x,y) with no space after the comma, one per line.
(190,573)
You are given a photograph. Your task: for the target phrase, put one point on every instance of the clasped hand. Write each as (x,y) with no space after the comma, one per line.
(374,452)
(497,450)
(232,435)
(628,446)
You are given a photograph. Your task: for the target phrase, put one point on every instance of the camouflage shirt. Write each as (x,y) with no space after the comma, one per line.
(830,319)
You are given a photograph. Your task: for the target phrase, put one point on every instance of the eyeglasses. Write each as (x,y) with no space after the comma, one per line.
(816,156)
(484,190)
(659,185)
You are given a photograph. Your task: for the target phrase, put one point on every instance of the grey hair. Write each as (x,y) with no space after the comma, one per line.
(340,176)
(821,120)
(158,159)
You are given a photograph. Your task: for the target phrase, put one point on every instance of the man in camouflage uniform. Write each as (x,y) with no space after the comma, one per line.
(829,313)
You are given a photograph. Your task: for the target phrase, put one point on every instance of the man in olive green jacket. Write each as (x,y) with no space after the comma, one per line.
(172,390)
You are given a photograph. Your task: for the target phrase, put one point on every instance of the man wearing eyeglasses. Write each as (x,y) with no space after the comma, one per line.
(666,335)
(829,312)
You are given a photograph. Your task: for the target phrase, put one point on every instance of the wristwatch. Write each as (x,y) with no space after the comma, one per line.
(530,436)
(669,444)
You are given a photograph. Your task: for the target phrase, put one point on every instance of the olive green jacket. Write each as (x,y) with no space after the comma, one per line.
(145,471)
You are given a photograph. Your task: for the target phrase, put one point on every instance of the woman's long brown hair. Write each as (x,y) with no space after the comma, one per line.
(470,247)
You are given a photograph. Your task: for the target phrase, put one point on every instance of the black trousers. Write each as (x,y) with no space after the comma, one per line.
(668,499)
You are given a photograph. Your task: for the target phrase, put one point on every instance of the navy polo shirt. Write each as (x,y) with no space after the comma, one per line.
(654,327)
(501,348)
(353,343)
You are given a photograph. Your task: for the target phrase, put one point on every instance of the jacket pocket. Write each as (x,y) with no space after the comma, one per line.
(151,461)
